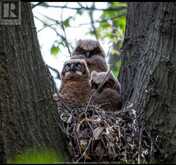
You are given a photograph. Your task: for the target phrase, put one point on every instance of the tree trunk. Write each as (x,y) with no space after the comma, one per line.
(148,73)
(2,149)
(28,114)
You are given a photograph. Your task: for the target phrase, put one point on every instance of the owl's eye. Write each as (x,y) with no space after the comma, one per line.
(107,85)
(95,51)
(67,67)
(94,85)
(80,50)
(78,66)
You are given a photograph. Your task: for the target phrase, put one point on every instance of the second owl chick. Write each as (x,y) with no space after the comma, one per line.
(106,91)
(93,53)
(75,86)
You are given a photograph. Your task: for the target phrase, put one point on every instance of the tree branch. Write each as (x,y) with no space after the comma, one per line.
(102,20)
(54,29)
(89,8)
(43,4)
(55,70)
(92,20)
(63,28)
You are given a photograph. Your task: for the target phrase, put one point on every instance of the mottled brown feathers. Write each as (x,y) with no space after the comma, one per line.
(75,86)
(86,76)
(85,46)
(93,53)
(75,92)
(106,91)
(106,79)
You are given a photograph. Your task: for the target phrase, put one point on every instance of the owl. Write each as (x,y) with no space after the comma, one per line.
(105,91)
(75,85)
(93,53)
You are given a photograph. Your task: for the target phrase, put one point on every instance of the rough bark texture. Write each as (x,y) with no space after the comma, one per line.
(139,17)
(148,73)
(28,114)
(2,149)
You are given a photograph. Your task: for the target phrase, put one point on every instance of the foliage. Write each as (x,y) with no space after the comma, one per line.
(109,27)
(56,47)
(55,50)
(37,156)
(116,69)
(112,28)
(112,23)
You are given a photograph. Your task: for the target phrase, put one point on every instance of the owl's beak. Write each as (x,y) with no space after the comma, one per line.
(72,68)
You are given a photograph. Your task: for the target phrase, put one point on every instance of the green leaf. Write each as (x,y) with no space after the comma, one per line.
(116,69)
(55,50)
(121,22)
(108,14)
(114,4)
(105,25)
(118,21)
(66,22)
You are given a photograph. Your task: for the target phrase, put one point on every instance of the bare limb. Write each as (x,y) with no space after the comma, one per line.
(92,20)
(66,41)
(46,26)
(55,70)
(80,4)
(63,28)
(102,20)
(85,150)
(55,30)
(89,8)
(43,4)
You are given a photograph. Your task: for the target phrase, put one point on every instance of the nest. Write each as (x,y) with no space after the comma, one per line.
(95,135)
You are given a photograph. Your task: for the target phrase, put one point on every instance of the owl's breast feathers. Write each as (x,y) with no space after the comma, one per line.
(75,92)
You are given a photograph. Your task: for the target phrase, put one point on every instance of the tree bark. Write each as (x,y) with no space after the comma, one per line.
(2,149)
(28,114)
(139,19)
(148,73)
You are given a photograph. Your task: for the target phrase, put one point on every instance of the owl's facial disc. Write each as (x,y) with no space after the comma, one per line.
(91,53)
(79,73)
(66,70)
(77,66)
(74,69)
(80,68)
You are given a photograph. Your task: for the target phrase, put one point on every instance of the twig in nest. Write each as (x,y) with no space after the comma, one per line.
(85,150)
(107,136)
